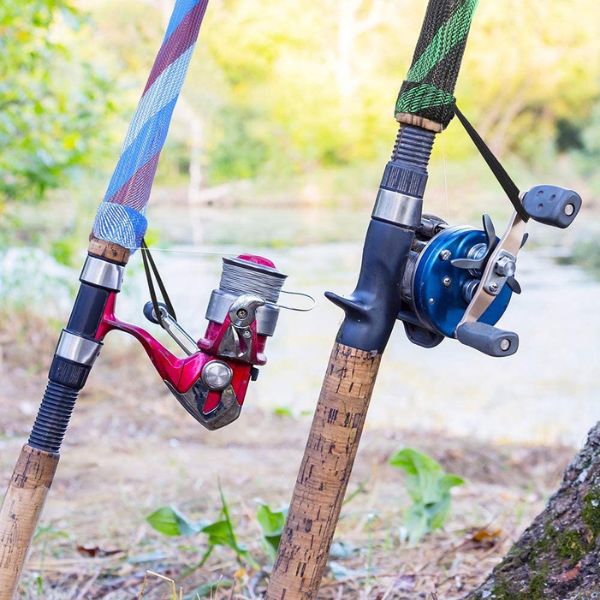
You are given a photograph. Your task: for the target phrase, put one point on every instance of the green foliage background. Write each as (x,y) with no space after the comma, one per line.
(52,100)
(279,90)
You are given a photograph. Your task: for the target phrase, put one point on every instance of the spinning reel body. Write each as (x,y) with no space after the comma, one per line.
(211,382)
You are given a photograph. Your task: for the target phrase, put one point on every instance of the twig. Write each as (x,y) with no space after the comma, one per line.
(86,588)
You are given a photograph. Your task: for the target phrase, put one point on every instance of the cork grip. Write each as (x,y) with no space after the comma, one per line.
(20,511)
(108,250)
(417,121)
(324,474)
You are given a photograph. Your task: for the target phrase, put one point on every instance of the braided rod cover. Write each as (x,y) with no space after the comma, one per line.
(428,90)
(121,216)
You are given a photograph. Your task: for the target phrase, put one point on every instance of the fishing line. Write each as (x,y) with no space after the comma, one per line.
(152,274)
(446,196)
(241,279)
(236,279)
(192,251)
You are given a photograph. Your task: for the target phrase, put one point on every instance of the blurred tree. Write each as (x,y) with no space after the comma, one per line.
(52,102)
(529,66)
(313,85)
(280,88)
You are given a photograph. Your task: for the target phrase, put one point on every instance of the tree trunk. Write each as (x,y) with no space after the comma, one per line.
(558,556)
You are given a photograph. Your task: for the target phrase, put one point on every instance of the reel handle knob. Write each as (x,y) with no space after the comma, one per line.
(151,315)
(488,339)
(551,205)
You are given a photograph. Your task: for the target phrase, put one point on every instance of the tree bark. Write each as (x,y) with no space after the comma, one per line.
(558,556)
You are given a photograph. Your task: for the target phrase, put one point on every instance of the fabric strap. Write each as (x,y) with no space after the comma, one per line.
(504,179)
(152,273)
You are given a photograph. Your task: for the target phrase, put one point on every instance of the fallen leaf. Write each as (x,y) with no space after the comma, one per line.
(96,551)
(569,575)
(485,535)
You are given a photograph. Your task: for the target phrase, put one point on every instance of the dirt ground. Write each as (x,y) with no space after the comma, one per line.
(131,449)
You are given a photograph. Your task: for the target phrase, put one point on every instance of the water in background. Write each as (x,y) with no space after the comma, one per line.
(546,393)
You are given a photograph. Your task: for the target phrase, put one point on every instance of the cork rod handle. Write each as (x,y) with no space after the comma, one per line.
(324,474)
(20,512)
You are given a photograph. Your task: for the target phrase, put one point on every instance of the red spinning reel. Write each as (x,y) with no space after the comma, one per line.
(211,382)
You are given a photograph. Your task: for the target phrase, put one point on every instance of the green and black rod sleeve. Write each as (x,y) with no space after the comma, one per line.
(425,107)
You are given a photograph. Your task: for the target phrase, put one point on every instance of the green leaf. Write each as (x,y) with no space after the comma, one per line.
(271,521)
(169,521)
(438,513)
(416,522)
(271,524)
(429,488)
(447,482)
(220,533)
(228,529)
(422,474)
(283,411)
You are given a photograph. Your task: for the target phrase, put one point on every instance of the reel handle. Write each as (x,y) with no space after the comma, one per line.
(552,205)
(488,339)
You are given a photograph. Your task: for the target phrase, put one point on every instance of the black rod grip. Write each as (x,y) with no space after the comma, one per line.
(53,417)
(67,377)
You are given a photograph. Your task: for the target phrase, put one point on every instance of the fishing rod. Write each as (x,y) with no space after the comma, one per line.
(441,281)
(211,380)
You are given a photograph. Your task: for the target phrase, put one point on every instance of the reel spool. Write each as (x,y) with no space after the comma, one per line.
(242,313)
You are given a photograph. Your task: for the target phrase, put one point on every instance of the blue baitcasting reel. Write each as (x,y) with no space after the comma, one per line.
(444,270)
(459,281)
